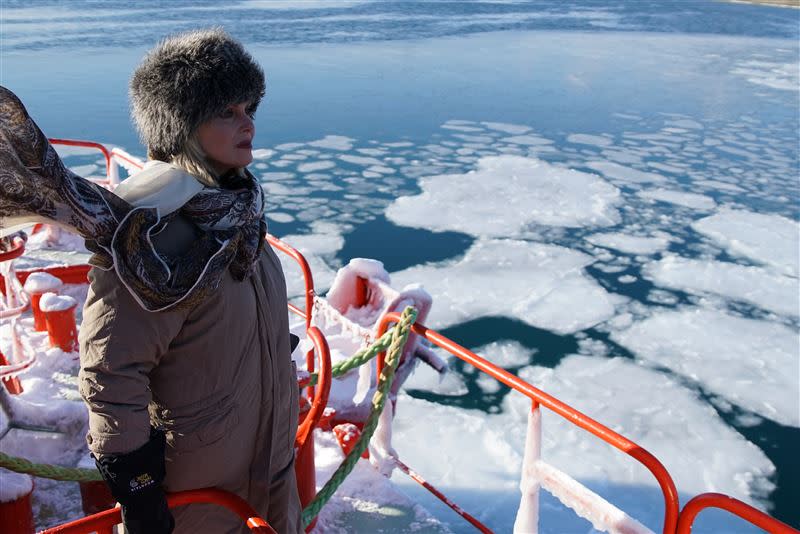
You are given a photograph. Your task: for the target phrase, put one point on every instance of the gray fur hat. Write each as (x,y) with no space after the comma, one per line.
(185,80)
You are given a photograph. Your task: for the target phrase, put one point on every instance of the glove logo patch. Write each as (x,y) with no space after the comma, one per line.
(141,481)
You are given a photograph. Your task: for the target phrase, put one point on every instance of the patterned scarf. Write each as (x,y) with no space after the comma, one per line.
(35,186)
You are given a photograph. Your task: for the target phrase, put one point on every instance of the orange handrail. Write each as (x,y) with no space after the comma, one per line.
(109,518)
(322,391)
(86,144)
(734,506)
(571,414)
(14,253)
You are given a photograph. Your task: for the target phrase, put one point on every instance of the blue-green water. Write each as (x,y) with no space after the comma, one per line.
(389,75)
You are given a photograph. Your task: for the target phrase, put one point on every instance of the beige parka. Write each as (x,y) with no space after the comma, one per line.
(217,378)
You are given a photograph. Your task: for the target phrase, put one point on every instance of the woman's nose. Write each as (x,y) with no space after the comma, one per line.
(248,124)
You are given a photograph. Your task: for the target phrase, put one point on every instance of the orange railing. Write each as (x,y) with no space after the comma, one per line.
(734,506)
(104,521)
(675,520)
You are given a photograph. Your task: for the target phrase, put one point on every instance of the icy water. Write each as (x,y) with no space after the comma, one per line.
(601,197)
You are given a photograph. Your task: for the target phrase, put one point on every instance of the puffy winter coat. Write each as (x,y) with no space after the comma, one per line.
(218,378)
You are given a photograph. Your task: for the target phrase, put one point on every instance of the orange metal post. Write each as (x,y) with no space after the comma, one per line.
(11,382)
(61,329)
(17,515)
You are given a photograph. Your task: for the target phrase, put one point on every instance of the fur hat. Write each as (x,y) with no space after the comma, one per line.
(184,81)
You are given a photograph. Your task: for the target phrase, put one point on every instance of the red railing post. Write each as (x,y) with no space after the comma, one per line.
(735,507)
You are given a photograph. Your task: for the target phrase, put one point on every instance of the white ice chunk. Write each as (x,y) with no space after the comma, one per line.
(761,287)
(361,160)
(587,139)
(334,142)
(504,195)
(616,171)
(280,217)
(764,238)
(529,140)
(542,285)
(263,153)
(629,244)
(313,166)
(783,76)
(749,362)
(513,129)
(681,198)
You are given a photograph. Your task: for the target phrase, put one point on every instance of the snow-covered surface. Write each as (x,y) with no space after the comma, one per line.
(763,238)
(750,363)
(760,287)
(41,282)
(553,276)
(681,198)
(504,195)
(630,244)
(50,302)
(14,485)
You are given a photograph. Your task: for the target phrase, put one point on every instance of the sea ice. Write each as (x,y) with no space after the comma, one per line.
(629,244)
(689,200)
(334,142)
(749,362)
(313,166)
(764,238)
(514,129)
(477,458)
(760,287)
(619,172)
(535,283)
(504,195)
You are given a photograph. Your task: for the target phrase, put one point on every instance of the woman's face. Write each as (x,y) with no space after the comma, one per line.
(227,139)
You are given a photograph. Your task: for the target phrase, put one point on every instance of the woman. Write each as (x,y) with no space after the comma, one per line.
(185,350)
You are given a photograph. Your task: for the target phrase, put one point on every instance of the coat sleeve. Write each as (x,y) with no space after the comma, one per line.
(120,344)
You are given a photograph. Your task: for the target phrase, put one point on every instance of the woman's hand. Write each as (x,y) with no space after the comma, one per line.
(135,480)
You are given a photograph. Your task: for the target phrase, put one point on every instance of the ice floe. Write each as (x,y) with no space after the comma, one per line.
(541,285)
(681,198)
(334,142)
(504,195)
(630,244)
(587,139)
(615,171)
(750,363)
(760,287)
(782,76)
(763,238)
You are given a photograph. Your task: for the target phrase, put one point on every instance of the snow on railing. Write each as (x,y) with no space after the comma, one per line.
(536,473)
(325,315)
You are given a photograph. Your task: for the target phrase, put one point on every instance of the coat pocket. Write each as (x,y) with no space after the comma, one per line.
(206,433)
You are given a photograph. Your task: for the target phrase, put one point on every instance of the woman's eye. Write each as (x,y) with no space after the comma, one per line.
(227,114)
(251,112)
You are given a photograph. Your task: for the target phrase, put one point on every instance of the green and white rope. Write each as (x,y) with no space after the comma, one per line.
(398,340)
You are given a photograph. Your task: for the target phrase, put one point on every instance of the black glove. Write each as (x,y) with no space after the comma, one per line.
(135,480)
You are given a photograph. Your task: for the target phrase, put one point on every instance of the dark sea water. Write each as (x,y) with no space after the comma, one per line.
(702,93)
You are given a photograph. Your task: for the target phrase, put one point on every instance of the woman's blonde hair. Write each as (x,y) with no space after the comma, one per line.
(193,160)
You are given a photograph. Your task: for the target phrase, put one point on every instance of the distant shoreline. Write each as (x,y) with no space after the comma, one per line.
(776,3)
